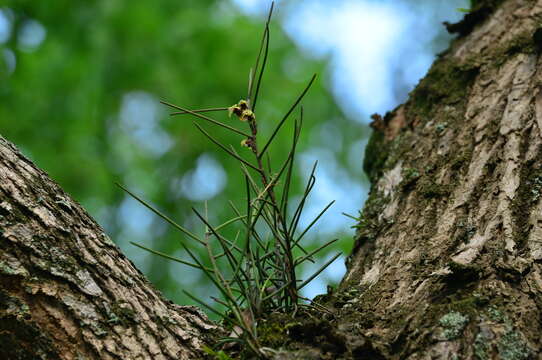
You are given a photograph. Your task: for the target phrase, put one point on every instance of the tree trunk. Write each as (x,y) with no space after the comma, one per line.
(447,261)
(66,290)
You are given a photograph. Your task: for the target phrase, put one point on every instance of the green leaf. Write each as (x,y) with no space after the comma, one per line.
(206,118)
(285,117)
(168,257)
(160,214)
(317,272)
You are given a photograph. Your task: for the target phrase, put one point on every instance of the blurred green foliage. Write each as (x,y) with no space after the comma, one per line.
(83,105)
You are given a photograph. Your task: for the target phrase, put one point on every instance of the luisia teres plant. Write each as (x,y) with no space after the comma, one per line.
(254,273)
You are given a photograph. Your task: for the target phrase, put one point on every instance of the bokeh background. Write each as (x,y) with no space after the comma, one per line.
(80,84)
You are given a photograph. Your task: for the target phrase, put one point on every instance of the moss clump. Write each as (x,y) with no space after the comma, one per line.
(216,355)
(469,305)
(523,43)
(430,189)
(273,333)
(320,333)
(447,82)
(453,323)
(479,11)
(463,158)
(375,156)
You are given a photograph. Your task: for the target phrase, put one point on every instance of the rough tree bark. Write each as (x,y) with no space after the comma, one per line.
(447,261)
(66,291)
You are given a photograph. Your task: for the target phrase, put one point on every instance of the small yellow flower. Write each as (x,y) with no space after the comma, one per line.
(243,104)
(245,142)
(241,110)
(247,115)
